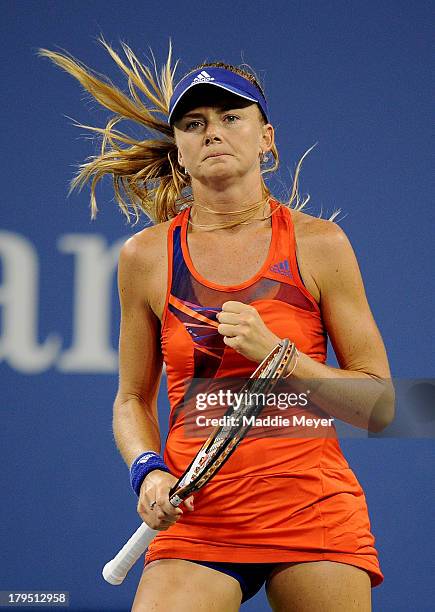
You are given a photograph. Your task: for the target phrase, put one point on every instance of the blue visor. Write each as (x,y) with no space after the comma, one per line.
(222,78)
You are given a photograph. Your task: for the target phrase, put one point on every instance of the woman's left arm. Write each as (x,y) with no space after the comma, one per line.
(360,392)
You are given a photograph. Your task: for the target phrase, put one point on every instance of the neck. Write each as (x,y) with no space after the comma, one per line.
(214,201)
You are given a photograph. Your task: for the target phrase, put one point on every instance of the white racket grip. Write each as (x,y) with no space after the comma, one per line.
(117,569)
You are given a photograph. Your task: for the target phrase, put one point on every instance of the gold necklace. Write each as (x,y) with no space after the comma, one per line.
(256,207)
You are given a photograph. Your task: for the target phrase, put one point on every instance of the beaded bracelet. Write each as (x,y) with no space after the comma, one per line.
(142,466)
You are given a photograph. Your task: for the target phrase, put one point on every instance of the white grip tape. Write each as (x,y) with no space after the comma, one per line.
(117,569)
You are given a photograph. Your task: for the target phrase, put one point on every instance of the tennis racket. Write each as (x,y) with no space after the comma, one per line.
(215,451)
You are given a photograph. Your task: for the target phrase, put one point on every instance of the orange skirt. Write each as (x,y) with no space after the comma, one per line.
(317,514)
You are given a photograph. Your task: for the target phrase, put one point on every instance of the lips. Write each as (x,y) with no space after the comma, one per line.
(215,155)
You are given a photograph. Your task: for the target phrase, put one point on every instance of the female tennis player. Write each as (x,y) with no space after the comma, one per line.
(224,274)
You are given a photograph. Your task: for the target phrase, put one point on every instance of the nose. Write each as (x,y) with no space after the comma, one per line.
(211,133)
(209,138)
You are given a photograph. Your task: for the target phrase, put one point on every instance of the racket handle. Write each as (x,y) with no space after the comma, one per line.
(117,569)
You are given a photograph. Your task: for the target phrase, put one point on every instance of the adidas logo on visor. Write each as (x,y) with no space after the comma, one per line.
(203,77)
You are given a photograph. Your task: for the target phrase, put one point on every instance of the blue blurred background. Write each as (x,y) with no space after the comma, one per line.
(352,76)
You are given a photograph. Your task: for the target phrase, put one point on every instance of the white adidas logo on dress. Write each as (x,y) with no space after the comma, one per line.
(202,77)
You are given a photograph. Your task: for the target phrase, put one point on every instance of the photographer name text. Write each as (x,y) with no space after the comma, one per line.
(267,421)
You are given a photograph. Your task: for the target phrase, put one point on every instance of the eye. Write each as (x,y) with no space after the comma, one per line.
(192,123)
(231,118)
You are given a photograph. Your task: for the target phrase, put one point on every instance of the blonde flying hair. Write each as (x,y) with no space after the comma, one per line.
(146,174)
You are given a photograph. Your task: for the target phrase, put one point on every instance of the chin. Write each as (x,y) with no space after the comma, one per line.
(222,175)
(219,170)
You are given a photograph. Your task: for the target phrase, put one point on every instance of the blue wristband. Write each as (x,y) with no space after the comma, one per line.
(142,466)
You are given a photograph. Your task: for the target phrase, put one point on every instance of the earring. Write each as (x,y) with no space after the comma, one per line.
(183,170)
(264,158)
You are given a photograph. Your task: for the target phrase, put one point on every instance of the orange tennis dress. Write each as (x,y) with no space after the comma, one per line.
(277,499)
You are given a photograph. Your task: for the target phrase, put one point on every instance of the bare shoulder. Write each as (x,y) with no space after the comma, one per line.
(321,238)
(145,248)
(143,266)
(308,227)
(320,244)
(332,261)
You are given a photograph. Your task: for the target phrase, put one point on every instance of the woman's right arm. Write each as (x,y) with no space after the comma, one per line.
(135,420)
(135,416)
